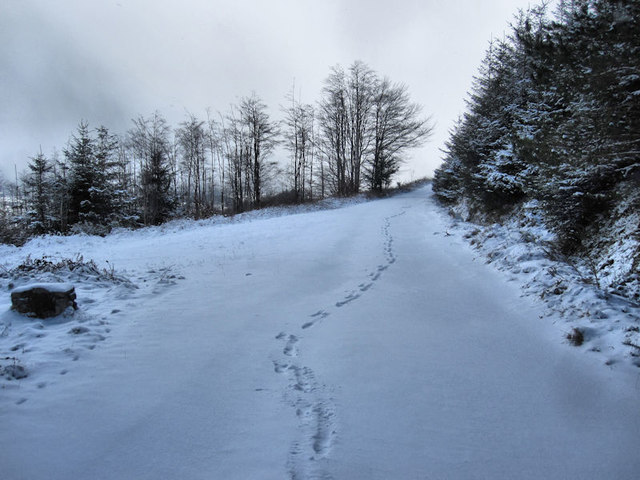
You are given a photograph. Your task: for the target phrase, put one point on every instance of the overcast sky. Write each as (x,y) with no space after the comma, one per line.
(108,61)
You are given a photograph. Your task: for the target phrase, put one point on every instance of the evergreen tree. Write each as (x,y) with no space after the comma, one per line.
(83,175)
(125,200)
(554,116)
(39,188)
(149,140)
(103,191)
(91,186)
(60,193)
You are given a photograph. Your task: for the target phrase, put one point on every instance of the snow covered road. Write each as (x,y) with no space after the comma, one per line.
(357,343)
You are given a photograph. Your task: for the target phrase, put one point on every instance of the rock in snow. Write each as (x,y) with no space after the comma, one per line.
(43,300)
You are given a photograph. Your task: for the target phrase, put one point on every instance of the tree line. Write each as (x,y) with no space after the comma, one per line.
(355,137)
(553,118)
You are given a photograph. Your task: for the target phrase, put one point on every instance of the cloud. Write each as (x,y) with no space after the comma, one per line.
(48,84)
(109,61)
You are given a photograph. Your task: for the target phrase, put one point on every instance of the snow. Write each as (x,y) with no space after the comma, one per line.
(366,341)
(49,287)
(576,295)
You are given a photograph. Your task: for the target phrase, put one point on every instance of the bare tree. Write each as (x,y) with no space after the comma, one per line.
(333,119)
(214,134)
(261,135)
(225,158)
(397,127)
(345,123)
(298,139)
(362,81)
(367,125)
(193,146)
(236,152)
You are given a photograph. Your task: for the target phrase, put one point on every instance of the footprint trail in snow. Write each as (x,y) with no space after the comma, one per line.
(311,399)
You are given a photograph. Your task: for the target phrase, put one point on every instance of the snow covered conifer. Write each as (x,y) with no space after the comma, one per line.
(149,141)
(83,173)
(39,189)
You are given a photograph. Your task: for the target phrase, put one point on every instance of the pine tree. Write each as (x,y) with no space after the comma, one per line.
(83,175)
(149,140)
(39,188)
(103,191)
(554,116)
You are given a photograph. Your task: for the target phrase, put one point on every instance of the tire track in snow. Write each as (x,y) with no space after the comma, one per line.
(314,407)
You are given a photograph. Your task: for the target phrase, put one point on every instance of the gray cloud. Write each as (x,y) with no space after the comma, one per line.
(48,85)
(109,61)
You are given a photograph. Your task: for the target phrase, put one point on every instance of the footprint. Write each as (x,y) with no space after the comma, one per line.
(304,413)
(319,315)
(78,330)
(349,298)
(314,409)
(324,431)
(303,378)
(280,367)
(290,349)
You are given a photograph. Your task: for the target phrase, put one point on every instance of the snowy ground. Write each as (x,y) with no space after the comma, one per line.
(576,295)
(365,342)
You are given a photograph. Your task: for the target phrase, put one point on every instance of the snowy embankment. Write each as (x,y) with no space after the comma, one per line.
(578,296)
(368,341)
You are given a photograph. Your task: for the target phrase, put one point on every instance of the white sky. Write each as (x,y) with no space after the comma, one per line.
(108,61)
